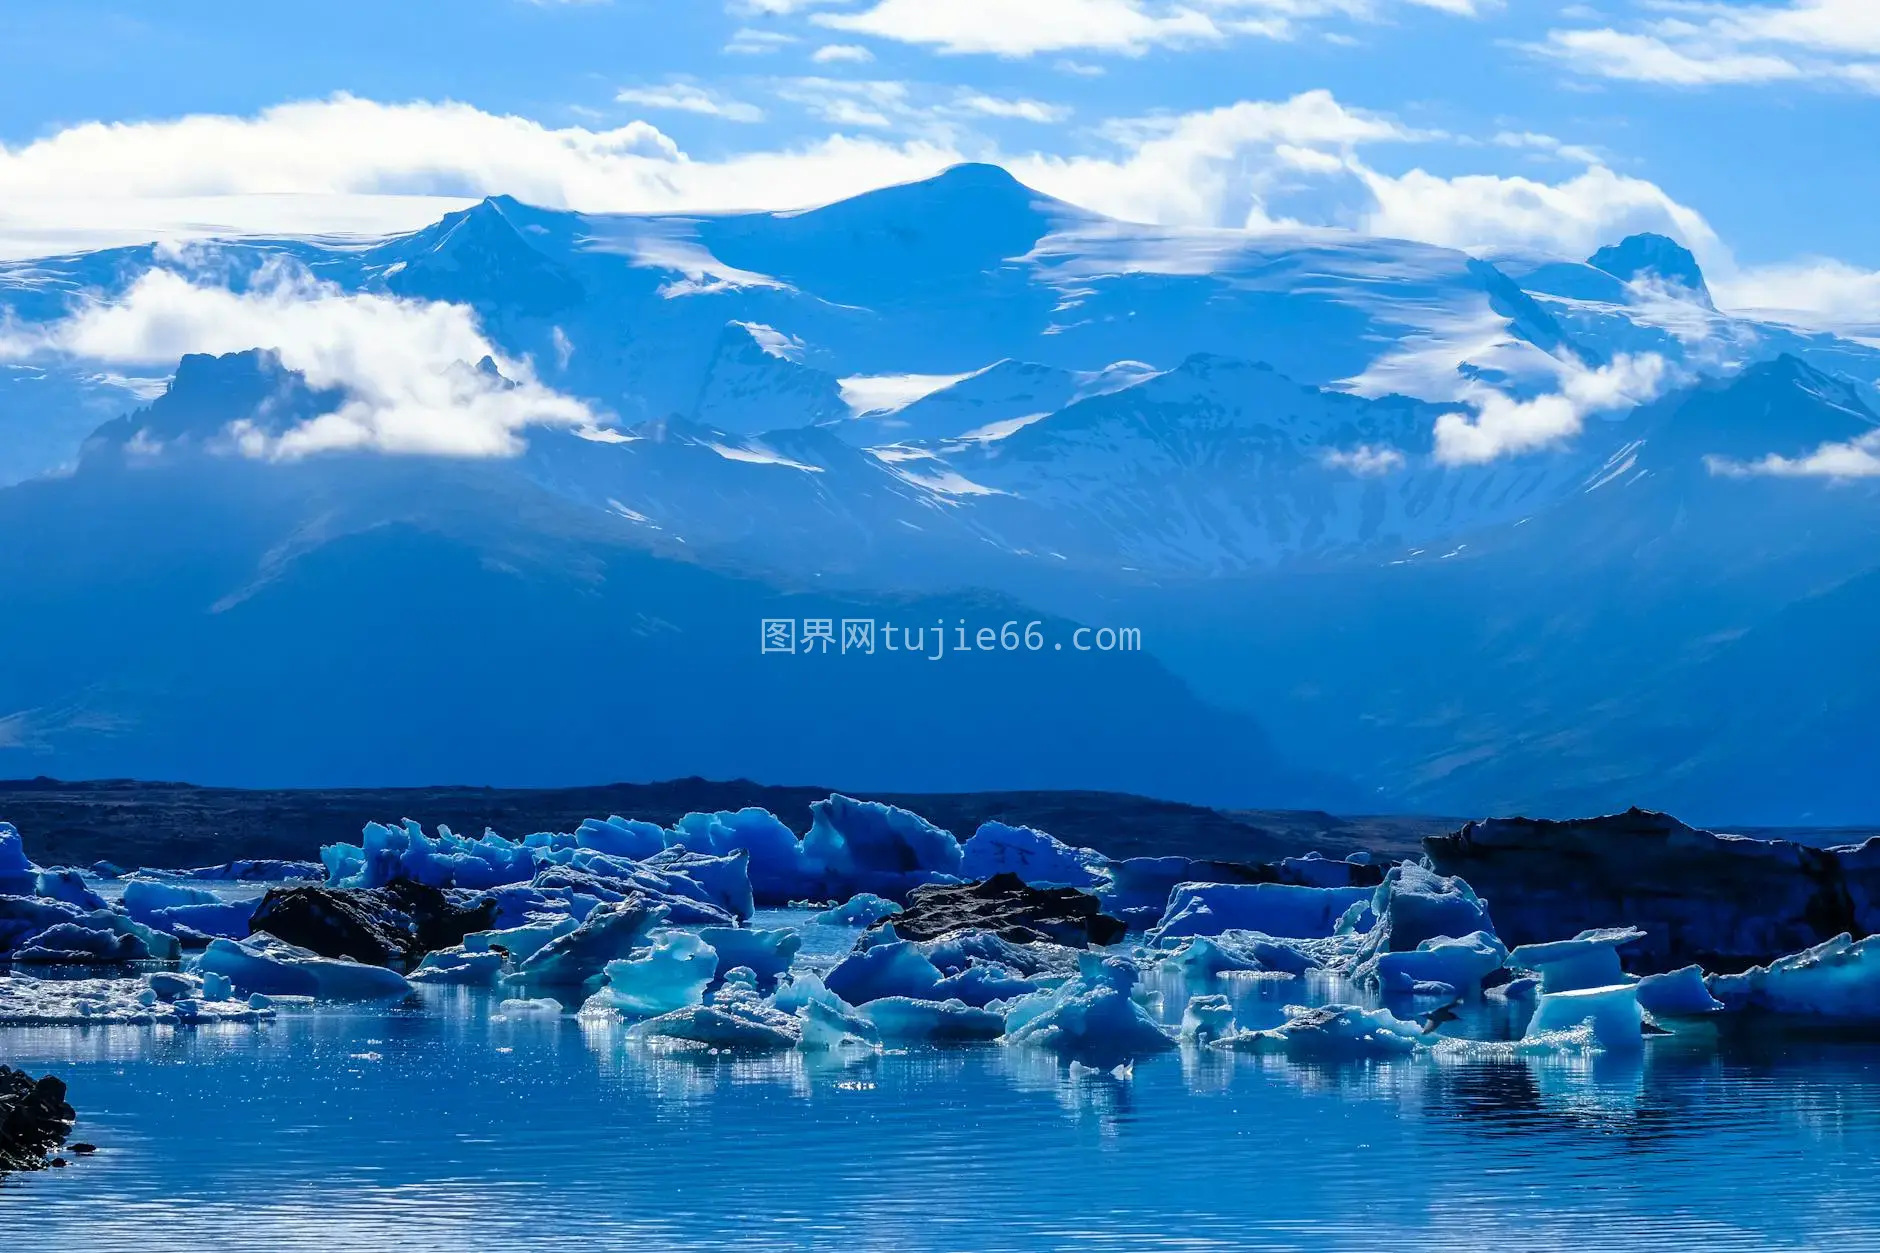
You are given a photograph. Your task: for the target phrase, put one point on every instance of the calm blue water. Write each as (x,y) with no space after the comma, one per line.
(434,1127)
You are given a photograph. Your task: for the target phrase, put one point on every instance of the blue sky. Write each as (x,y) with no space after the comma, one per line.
(1748,129)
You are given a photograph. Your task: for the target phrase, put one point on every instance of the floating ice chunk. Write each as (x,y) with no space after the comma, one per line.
(621,837)
(169,985)
(533,1007)
(57,1002)
(981,984)
(231,919)
(1414,904)
(801,988)
(406,852)
(459,964)
(864,909)
(1319,871)
(962,950)
(1091,1019)
(735,1019)
(1520,988)
(1274,909)
(144,897)
(1589,960)
(766,953)
(521,942)
(263,963)
(77,943)
(1208,1017)
(1039,859)
(68,886)
(671,975)
(18,876)
(1200,958)
(610,932)
(779,869)
(216,987)
(905,1018)
(865,846)
(1676,993)
(725,880)
(828,1027)
(1837,980)
(897,968)
(1458,964)
(1331,1032)
(1612,1013)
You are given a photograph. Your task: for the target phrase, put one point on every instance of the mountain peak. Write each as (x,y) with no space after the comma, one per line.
(1643,255)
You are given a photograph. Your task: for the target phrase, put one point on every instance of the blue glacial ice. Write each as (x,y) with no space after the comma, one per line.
(865,846)
(1330,1032)
(735,1018)
(895,967)
(1837,980)
(68,886)
(864,909)
(1039,859)
(632,839)
(1274,909)
(671,974)
(1414,904)
(906,1018)
(262,963)
(1589,960)
(828,1026)
(578,959)
(767,953)
(18,876)
(1677,993)
(460,965)
(1441,966)
(1091,1019)
(1612,1013)
(28,1001)
(1207,1017)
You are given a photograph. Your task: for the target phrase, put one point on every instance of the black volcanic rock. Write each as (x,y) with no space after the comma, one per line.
(1726,902)
(1010,908)
(34,1119)
(394,926)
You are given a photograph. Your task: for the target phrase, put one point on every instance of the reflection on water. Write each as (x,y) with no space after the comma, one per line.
(435,1126)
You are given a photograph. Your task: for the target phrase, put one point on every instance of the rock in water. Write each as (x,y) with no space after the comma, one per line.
(1010,908)
(1724,902)
(34,1119)
(394,925)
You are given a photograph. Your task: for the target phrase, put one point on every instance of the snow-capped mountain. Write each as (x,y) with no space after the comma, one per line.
(1232,440)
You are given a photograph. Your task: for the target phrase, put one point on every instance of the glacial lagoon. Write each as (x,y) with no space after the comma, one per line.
(454,1125)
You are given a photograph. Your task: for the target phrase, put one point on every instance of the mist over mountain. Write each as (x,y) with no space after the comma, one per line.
(505,499)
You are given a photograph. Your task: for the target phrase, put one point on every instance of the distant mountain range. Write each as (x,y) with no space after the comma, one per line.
(957,400)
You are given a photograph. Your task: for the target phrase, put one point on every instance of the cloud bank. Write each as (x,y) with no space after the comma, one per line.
(404,366)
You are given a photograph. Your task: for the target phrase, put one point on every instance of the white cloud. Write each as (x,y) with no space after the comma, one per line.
(1826,294)
(1022,110)
(1856,459)
(849,102)
(1212,167)
(1505,426)
(1609,53)
(1703,44)
(1366,460)
(689,98)
(750,42)
(830,53)
(403,365)
(1005,29)
(346,164)
(1573,217)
